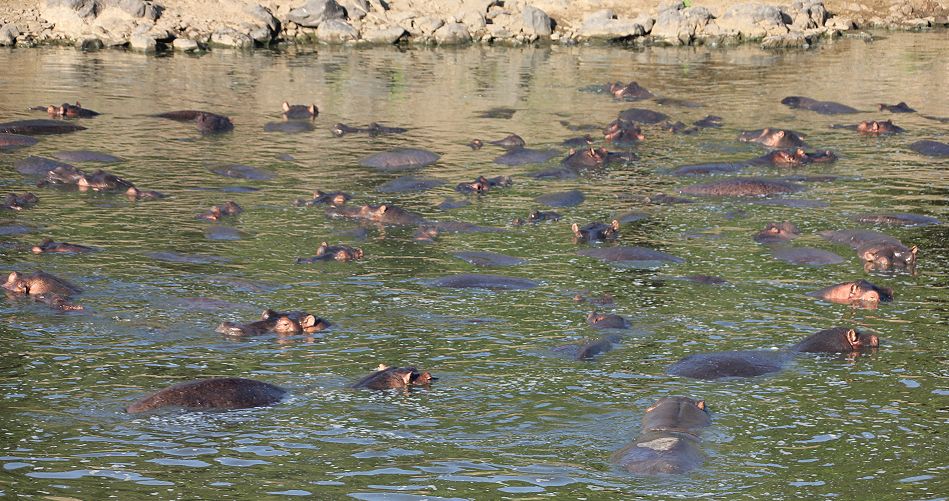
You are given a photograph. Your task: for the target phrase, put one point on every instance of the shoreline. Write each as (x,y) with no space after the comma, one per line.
(199,25)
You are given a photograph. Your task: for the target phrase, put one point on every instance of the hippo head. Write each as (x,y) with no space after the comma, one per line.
(676,414)
(476,144)
(864,291)
(839,340)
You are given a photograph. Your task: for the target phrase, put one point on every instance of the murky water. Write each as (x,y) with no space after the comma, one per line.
(509,417)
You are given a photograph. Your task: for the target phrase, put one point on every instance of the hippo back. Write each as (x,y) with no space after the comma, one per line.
(216,393)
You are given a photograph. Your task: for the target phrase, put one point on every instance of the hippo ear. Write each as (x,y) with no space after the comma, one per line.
(914,250)
(615,225)
(854,287)
(576,228)
(268,314)
(852,337)
(383,208)
(308,321)
(651,408)
(700,404)
(382,367)
(286,106)
(407,377)
(780,133)
(313,110)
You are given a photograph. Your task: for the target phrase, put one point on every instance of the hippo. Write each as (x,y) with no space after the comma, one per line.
(38,166)
(742,187)
(14,201)
(628,92)
(822,107)
(561,199)
(212,123)
(590,349)
(86,156)
(773,138)
(710,168)
(855,293)
(925,147)
(484,281)
(808,256)
(386,378)
(481,258)
(795,158)
(511,142)
(327,252)
(49,246)
(857,238)
(664,199)
(587,158)
(607,321)
(623,132)
(374,129)
(887,255)
(898,219)
(627,254)
(595,231)
(10,142)
(453,203)
(900,107)
(39,283)
(217,212)
(428,231)
(238,171)
(669,442)
(705,279)
(289,126)
(680,128)
(774,233)
(334,198)
(604,299)
(755,363)
(483,184)
(67,110)
(672,101)
(385,214)
(642,116)
(502,112)
(408,184)
(281,323)
(709,121)
(524,156)
(401,158)
(876,127)
(182,115)
(98,180)
(537,216)
(39,127)
(299,111)
(212,394)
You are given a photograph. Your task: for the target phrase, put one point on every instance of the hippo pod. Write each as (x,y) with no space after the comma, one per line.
(299,111)
(215,213)
(212,394)
(773,138)
(821,107)
(483,184)
(334,198)
(15,201)
(43,287)
(386,378)
(669,442)
(859,293)
(282,323)
(755,363)
(326,252)
(595,231)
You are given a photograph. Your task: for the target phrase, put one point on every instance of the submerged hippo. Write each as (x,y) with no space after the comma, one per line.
(537,216)
(374,129)
(334,198)
(808,256)
(773,138)
(281,323)
(774,233)
(562,199)
(642,116)
(99,180)
(49,246)
(10,142)
(742,187)
(327,252)
(86,156)
(900,107)
(629,254)
(795,158)
(872,127)
(897,219)
(385,214)
(215,393)
(386,378)
(19,201)
(888,255)
(607,321)
(628,92)
(623,132)
(482,258)
(857,238)
(822,107)
(524,156)
(669,442)
(925,147)
(299,111)
(595,231)
(39,127)
(589,349)
(212,123)
(217,212)
(182,115)
(484,281)
(856,293)
(402,158)
(483,184)
(45,288)
(755,363)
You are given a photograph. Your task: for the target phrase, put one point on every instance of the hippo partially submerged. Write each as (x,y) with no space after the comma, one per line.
(595,231)
(10,142)
(402,158)
(327,252)
(386,378)
(856,293)
(822,107)
(43,287)
(39,127)
(49,246)
(669,442)
(742,187)
(374,129)
(19,201)
(281,323)
(212,394)
(299,111)
(484,281)
(773,138)
(384,213)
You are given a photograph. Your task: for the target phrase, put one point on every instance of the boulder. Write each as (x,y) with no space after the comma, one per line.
(185,45)
(751,21)
(536,22)
(426,25)
(452,33)
(603,24)
(807,15)
(336,31)
(791,40)
(8,34)
(89,43)
(263,16)
(143,43)
(355,9)
(314,12)
(231,38)
(389,35)
(138,8)
(679,25)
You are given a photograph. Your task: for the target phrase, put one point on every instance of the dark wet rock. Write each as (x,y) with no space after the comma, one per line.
(289,127)
(669,442)
(480,258)
(218,232)
(215,393)
(773,138)
(388,378)
(776,233)
(742,187)
(10,142)
(822,107)
(86,156)
(562,199)
(408,184)
(38,127)
(897,219)
(619,254)
(857,238)
(930,148)
(524,156)
(808,256)
(705,169)
(243,172)
(483,281)
(498,112)
(177,257)
(643,116)
(729,364)
(398,159)
(860,293)
(900,107)
(451,203)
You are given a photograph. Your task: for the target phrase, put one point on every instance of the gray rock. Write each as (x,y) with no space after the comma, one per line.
(426,25)
(355,9)
(261,34)
(680,25)
(452,33)
(185,45)
(787,41)
(261,14)
(751,21)
(143,43)
(231,38)
(336,31)
(839,23)
(89,43)
(314,12)
(384,35)
(85,9)
(138,8)
(536,22)
(603,24)
(807,14)
(8,34)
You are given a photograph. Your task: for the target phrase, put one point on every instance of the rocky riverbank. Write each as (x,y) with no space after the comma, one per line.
(193,25)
